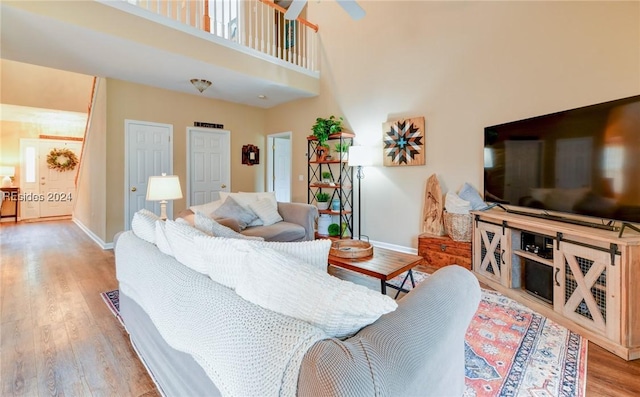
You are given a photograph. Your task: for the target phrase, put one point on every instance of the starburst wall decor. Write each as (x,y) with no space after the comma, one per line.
(404,142)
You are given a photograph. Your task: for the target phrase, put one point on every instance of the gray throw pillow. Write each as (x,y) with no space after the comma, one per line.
(231,209)
(468,193)
(210,226)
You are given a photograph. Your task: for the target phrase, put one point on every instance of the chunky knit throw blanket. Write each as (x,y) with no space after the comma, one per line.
(245,350)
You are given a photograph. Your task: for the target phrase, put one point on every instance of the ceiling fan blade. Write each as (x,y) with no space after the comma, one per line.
(295,9)
(352,8)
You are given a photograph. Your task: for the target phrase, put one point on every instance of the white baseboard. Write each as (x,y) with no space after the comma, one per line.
(92,235)
(394,247)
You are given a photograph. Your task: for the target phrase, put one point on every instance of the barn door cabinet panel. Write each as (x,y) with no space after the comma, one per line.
(588,288)
(491,258)
(584,278)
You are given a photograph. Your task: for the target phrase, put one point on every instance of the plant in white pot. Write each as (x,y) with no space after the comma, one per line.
(322,200)
(326,177)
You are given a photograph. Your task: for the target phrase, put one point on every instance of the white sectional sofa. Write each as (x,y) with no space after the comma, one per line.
(199,337)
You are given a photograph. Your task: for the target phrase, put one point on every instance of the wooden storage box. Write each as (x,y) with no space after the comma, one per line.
(439,251)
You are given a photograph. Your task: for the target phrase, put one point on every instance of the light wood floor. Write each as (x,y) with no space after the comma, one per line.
(58,337)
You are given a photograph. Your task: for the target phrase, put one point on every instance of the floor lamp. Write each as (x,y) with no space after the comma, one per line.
(163,188)
(359,156)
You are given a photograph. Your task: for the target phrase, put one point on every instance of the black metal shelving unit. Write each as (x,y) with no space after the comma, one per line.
(341,175)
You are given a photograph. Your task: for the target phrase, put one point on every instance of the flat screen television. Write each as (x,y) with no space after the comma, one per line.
(575,164)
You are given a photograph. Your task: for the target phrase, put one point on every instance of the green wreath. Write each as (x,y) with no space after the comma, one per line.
(62,160)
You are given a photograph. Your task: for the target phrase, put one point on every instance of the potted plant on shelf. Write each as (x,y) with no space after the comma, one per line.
(321,130)
(326,177)
(343,149)
(322,200)
(334,230)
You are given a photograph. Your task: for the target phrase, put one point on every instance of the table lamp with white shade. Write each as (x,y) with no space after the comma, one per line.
(163,188)
(7,172)
(360,156)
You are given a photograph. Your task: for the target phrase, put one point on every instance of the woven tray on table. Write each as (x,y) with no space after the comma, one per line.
(351,249)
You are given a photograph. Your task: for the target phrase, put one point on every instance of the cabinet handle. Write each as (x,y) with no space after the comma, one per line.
(555,277)
(443,247)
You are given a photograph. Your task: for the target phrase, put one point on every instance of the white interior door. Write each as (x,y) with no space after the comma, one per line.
(149,153)
(279,165)
(208,164)
(57,187)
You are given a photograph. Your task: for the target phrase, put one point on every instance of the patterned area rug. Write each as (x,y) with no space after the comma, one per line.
(112,300)
(510,350)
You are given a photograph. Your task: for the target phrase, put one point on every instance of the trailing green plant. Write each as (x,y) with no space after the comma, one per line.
(326,175)
(334,229)
(322,197)
(325,127)
(342,147)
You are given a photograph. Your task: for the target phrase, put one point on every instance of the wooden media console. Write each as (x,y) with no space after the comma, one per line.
(592,276)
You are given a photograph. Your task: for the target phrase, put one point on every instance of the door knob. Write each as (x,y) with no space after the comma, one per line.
(223,186)
(133,189)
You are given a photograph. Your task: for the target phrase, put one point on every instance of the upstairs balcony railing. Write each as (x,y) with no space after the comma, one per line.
(257,24)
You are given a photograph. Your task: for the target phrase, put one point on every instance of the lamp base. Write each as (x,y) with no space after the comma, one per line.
(163,210)
(6,181)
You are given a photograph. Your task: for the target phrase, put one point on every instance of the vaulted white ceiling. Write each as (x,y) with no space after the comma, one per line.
(95,38)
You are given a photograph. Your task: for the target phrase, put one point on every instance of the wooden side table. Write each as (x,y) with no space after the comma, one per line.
(440,251)
(10,203)
(384,265)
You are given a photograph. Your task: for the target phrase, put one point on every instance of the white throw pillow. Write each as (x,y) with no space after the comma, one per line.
(210,226)
(161,239)
(181,240)
(315,252)
(143,225)
(207,208)
(266,211)
(246,198)
(224,258)
(340,308)
(456,205)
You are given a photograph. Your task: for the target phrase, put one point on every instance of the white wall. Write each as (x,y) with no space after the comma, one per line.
(463,66)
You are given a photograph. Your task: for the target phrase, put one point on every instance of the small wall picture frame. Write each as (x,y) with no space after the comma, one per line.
(250,155)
